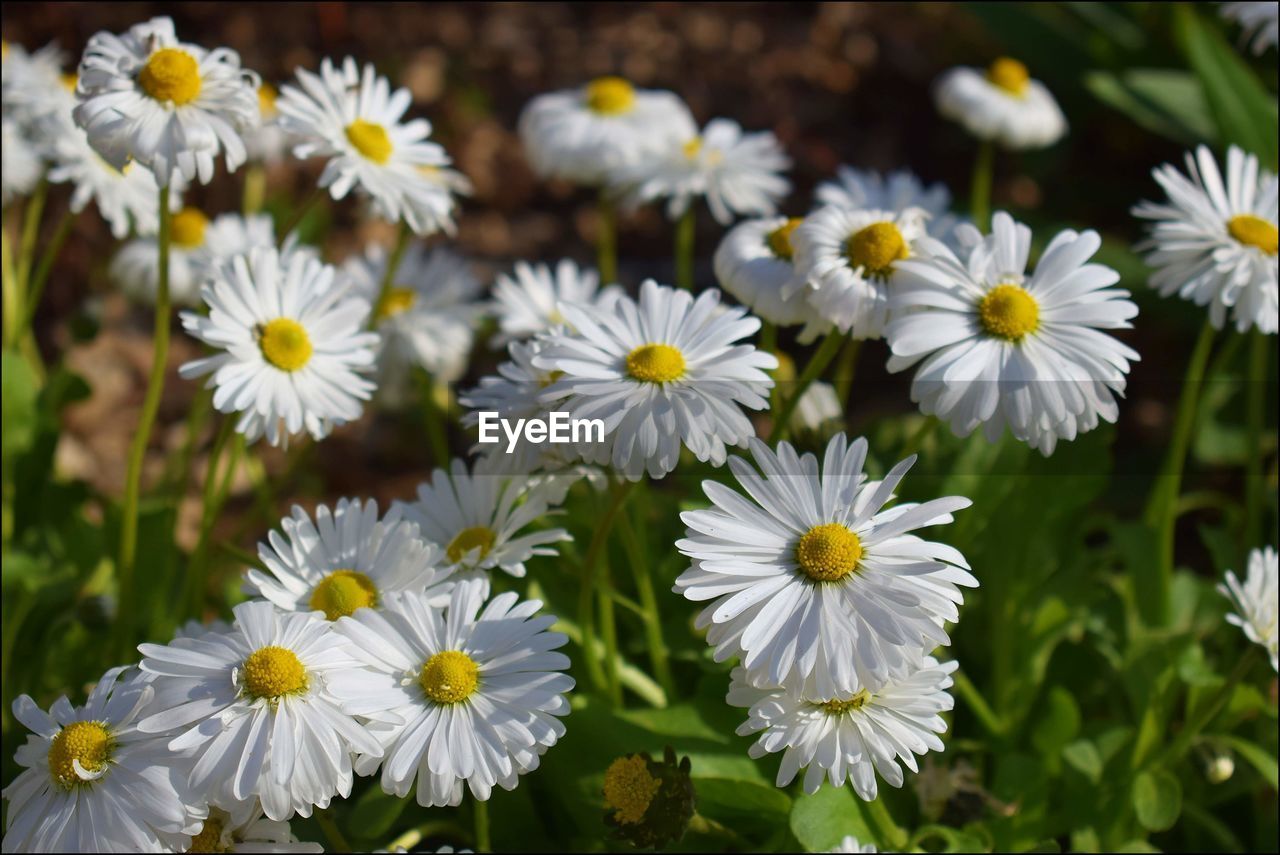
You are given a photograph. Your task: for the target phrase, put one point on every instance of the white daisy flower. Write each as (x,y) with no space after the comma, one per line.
(435,196)
(353,118)
(136,267)
(737,173)
(292,345)
(813,583)
(428,316)
(1215,243)
(1000,346)
(257,710)
(93,782)
(660,373)
(34,83)
(850,736)
(849,843)
(895,191)
(127,199)
(476,517)
(169,105)
(526,301)
(347,559)
(1256,601)
(586,135)
(847,260)
(1261,22)
(818,407)
(268,143)
(755,262)
(480,692)
(222,832)
(20,166)
(1002,103)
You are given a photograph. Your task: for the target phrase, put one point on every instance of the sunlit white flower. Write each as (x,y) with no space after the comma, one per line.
(291,345)
(852,735)
(660,373)
(257,710)
(127,199)
(136,267)
(818,407)
(813,582)
(92,781)
(269,142)
(1002,104)
(480,692)
(169,105)
(347,559)
(525,301)
(222,832)
(739,174)
(1214,243)
(998,345)
(353,118)
(587,135)
(1256,601)
(28,79)
(895,191)
(847,261)
(20,165)
(1261,22)
(755,263)
(849,843)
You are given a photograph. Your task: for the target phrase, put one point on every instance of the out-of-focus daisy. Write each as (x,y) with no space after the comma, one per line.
(292,350)
(136,267)
(755,262)
(660,373)
(1256,601)
(477,517)
(895,191)
(1214,243)
(1261,22)
(29,81)
(222,832)
(268,142)
(480,692)
(228,235)
(812,581)
(347,559)
(818,407)
(1003,104)
(847,260)
(1000,346)
(739,174)
(849,736)
(127,199)
(257,709)
(849,843)
(436,196)
(353,118)
(587,135)
(20,165)
(92,781)
(169,105)
(526,301)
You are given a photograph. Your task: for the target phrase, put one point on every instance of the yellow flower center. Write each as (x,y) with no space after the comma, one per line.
(285,344)
(692,147)
(171,75)
(370,139)
(549,379)
(1010,75)
(271,672)
(875,249)
(655,363)
(477,536)
(828,552)
(1009,312)
(1253,231)
(629,788)
(841,707)
(188,227)
(267,95)
(86,741)
(210,837)
(610,96)
(69,81)
(449,677)
(779,240)
(397,299)
(342,592)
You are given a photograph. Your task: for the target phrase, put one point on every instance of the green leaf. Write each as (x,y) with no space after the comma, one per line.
(820,821)
(1083,756)
(726,796)
(18,393)
(375,812)
(1059,722)
(1257,757)
(1157,799)
(1166,102)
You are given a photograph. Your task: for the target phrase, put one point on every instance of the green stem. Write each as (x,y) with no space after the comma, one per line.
(586,616)
(980,191)
(978,704)
(12,290)
(301,213)
(141,438)
(255,189)
(817,363)
(1208,710)
(609,633)
(389,274)
(686,228)
(916,440)
(36,288)
(607,240)
(892,837)
(337,842)
(482,826)
(31,231)
(1256,382)
(846,367)
(1162,506)
(178,468)
(643,573)
(437,433)
(213,496)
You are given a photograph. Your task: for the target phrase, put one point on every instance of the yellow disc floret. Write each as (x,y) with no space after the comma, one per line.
(171,75)
(779,240)
(267,95)
(875,248)
(476,537)
(188,227)
(70,81)
(85,741)
(1010,75)
(370,139)
(850,704)
(449,677)
(342,592)
(285,344)
(1009,312)
(828,552)
(629,788)
(1253,231)
(272,672)
(210,837)
(610,96)
(692,147)
(655,363)
(397,299)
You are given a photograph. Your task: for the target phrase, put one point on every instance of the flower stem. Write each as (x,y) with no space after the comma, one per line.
(301,213)
(817,363)
(586,616)
(389,274)
(1208,710)
(255,189)
(685,231)
(607,240)
(609,633)
(980,192)
(1256,382)
(643,573)
(214,495)
(437,434)
(846,367)
(35,288)
(986,716)
(337,842)
(481,817)
(31,231)
(892,837)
